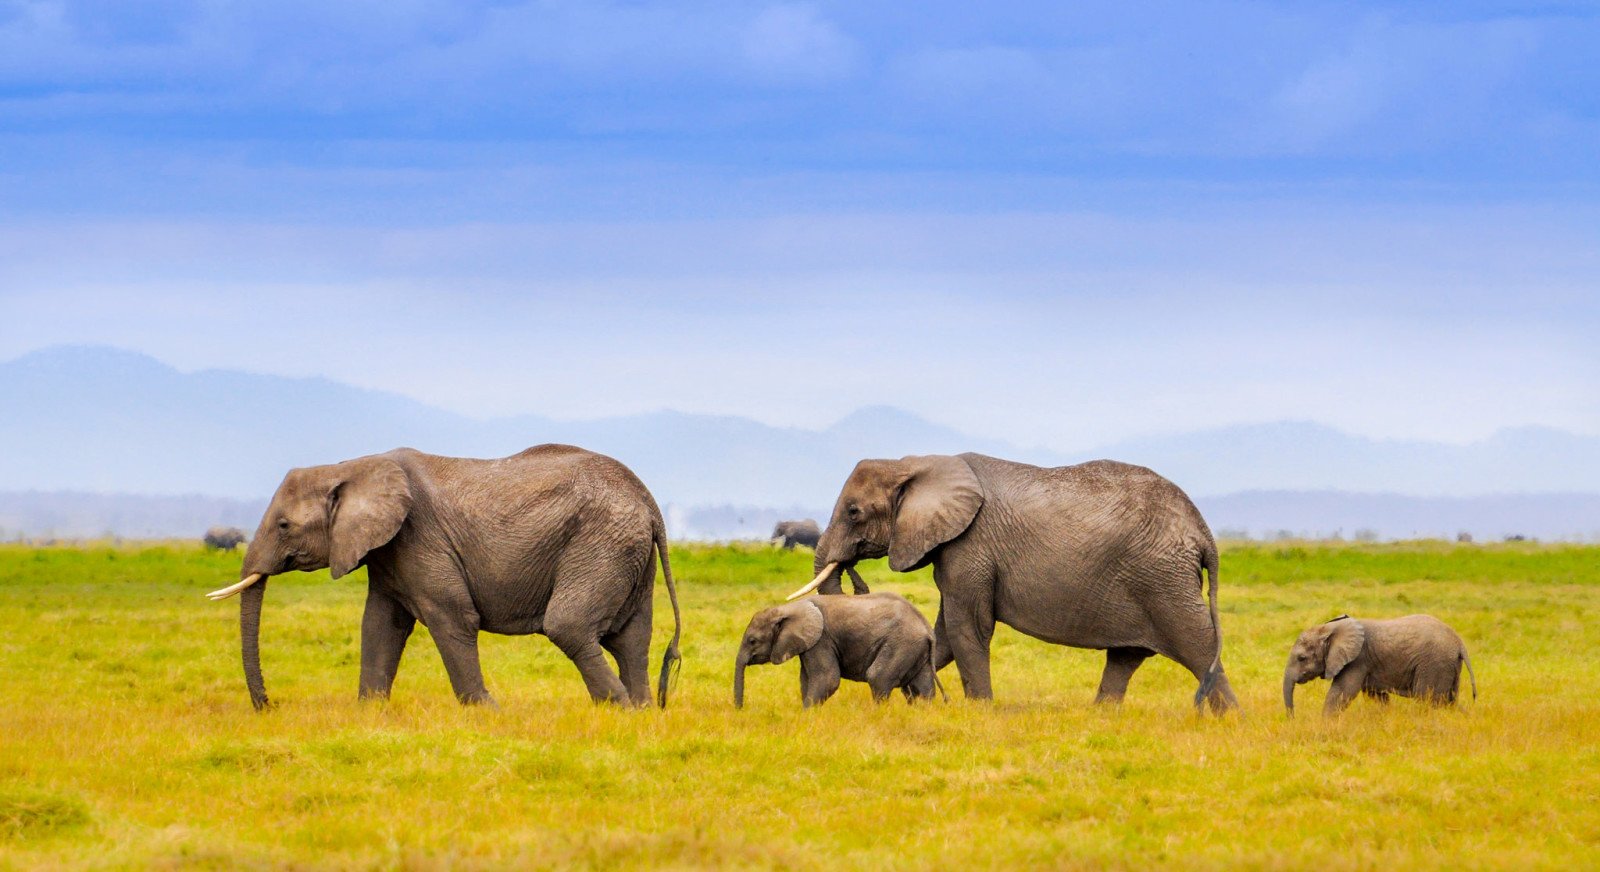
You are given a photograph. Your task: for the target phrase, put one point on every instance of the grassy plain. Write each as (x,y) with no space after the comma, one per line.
(127,739)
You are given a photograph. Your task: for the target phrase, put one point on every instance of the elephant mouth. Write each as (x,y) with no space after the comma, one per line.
(869,551)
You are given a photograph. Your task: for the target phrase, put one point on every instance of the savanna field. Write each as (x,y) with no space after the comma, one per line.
(127,739)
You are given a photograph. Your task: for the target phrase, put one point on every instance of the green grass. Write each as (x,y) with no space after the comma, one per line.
(127,738)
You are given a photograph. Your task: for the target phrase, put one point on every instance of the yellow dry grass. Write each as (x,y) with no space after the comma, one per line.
(127,739)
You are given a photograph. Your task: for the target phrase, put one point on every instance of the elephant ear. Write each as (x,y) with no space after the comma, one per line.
(938,500)
(1344,644)
(366,508)
(800,630)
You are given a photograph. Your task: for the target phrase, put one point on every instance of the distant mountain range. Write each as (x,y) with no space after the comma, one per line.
(102,421)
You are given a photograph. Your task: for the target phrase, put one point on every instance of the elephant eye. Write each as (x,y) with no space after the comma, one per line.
(283,523)
(854,512)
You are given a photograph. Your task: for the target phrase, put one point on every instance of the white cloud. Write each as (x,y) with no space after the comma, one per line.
(793,42)
(1405,86)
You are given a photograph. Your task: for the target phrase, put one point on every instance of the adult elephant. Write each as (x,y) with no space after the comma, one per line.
(554,540)
(788,534)
(223,538)
(1101,555)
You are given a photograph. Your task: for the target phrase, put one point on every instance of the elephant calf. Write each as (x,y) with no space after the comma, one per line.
(1416,656)
(878,638)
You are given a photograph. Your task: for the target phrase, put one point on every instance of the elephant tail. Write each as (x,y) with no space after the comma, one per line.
(1210,563)
(1470,677)
(672,656)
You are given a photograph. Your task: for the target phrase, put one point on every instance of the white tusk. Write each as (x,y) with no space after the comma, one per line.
(232,589)
(815,582)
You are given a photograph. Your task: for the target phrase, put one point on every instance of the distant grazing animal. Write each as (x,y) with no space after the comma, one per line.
(224,538)
(1099,555)
(878,638)
(1415,656)
(554,540)
(792,533)
(1463,536)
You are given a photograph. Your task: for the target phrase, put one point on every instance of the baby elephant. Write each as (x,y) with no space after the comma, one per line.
(1417,656)
(878,638)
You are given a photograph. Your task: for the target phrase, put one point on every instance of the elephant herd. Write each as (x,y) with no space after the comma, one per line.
(562,541)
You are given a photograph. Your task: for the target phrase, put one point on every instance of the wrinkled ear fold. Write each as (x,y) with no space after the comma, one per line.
(1344,644)
(937,502)
(366,508)
(798,632)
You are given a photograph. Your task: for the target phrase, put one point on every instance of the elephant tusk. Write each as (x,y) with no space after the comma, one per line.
(815,582)
(232,589)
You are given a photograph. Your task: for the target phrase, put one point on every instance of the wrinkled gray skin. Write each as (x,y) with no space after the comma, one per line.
(1101,555)
(224,538)
(554,540)
(878,638)
(791,533)
(1415,656)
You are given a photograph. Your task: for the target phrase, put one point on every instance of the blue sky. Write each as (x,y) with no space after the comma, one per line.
(1055,223)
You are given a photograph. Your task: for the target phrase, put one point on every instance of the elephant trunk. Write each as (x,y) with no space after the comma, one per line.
(250,641)
(738,679)
(827,549)
(1288,690)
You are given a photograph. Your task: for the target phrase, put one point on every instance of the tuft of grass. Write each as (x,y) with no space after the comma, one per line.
(123,694)
(28,813)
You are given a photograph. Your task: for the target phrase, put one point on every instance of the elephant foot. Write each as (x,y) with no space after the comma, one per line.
(1221,699)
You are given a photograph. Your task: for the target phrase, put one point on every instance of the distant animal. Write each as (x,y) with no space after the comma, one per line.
(1416,656)
(878,638)
(791,533)
(1101,555)
(224,538)
(554,540)
(1463,536)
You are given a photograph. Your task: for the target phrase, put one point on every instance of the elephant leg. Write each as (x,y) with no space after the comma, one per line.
(453,620)
(968,627)
(1192,642)
(1222,698)
(1378,696)
(630,647)
(1121,663)
(891,669)
(1346,687)
(942,655)
(819,680)
(458,648)
(584,603)
(385,627)
(1437,683)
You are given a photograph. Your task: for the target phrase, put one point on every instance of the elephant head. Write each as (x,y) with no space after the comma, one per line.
(773,636)
(1322,652)
(321,517)
(902,509)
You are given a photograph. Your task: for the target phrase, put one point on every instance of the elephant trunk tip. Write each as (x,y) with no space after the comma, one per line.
(1288,693)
